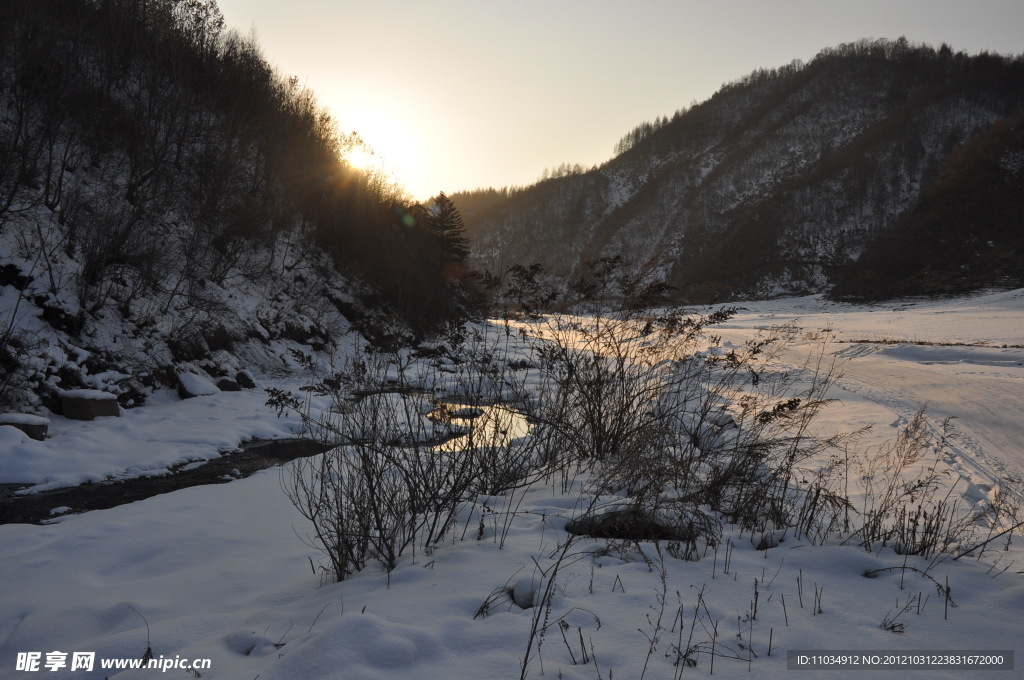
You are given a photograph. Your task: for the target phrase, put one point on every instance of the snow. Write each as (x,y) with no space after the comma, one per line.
(963,358)
(197,385)
(97,395)
(22,419)
(221,572)
(145,441)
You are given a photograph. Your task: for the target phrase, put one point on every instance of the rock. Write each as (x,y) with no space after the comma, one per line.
(768,540)
(88,404)
(34,426)
(722,419)
(467,413)
(228,385)
(245,380)
(194,385)
(628,523)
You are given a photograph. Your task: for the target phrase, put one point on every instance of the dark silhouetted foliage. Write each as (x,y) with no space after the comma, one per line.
(966,231)
(195,138)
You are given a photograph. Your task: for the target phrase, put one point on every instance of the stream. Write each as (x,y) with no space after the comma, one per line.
(493,425)
(35,508)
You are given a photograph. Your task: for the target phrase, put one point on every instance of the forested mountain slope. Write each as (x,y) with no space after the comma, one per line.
(169,202)
(776,183)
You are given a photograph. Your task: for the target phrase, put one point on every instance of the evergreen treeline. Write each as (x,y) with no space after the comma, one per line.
(477,202)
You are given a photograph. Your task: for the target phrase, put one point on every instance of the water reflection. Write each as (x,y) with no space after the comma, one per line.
(484,426)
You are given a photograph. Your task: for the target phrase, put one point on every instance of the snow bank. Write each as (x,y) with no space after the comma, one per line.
(97,395)
(22,419)
(144,441)
(196,385)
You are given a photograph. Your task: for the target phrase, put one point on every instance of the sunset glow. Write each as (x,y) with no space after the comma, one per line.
(390,146)
(455,95)
(360,158)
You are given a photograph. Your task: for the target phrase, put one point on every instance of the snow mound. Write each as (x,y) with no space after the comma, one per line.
(196,385)
(374,648)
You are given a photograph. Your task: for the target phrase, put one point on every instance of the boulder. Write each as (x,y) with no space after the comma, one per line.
(194,385)
(34,426)
(629,523)
(245,380)
(88,404)
(228,385)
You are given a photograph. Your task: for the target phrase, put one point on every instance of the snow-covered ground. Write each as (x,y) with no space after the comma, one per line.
(143,441)
(962,358)
(222,573)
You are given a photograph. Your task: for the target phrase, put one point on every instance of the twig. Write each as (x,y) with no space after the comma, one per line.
(318,617)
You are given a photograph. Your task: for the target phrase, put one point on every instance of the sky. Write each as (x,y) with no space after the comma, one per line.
(460,94)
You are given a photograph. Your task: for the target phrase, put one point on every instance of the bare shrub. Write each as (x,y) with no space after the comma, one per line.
(661,411)
(910,499)
(678,429)
(397,478)
(384,490)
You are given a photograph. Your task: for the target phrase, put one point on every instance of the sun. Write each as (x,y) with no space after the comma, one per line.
(361,158)
(390,144)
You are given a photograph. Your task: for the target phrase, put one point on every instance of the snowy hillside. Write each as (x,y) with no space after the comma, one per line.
(222,572)
(781,179)
(170,205)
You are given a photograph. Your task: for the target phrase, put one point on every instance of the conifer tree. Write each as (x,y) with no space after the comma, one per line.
(447,225)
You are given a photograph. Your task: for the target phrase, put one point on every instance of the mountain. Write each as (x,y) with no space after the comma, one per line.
(170,203)
(965,232)
(778,182)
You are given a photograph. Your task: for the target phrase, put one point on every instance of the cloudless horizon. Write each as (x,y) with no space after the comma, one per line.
(460,94)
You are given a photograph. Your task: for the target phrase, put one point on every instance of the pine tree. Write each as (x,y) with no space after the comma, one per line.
(447,225)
